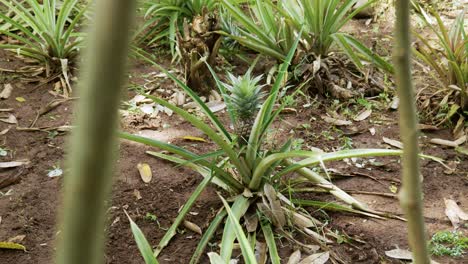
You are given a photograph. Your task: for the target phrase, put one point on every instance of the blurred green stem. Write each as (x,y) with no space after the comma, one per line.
(411,193)
(93,144)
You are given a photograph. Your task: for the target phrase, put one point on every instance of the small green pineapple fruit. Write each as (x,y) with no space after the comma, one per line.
(246,95)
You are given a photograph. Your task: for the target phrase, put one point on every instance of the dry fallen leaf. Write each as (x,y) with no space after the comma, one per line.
(8,88)
(317,236)
(179,98)
(449,143)
(275,205)
(372,131)
(295,257)
(402,254)
(261,252)
(363,115)
(251,222)
(192,227)
(13,164)
(20,99)
(192,138)
(336,122)
(425,127)
(137,194)
(393,143)
(17,239)
(454,213)
(4,131)
(216,106)
(317,258)
(395,103)
(302,221)
(399,253)
(451,167)
(10,245)
(11,119)
(145,172)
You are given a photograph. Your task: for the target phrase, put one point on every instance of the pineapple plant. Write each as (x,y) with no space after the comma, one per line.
(245,98)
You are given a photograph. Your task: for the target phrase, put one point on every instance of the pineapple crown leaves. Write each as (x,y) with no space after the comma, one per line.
(246,94)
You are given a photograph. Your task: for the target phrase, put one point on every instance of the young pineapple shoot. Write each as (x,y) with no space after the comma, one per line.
(245,97)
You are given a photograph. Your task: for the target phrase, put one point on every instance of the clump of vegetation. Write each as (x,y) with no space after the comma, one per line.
(448,61)
(251,172)
(44,30)
(163,19)
(448,243)
(272,26)
(189,28)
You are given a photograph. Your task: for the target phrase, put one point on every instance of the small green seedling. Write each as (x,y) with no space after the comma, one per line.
(448,243)
(151,217)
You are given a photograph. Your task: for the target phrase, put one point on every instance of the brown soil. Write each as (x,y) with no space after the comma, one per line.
(31,206)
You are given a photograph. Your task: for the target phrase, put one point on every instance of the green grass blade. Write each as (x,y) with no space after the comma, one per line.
(223,180)
(183,212)
(63,16)
(250,41)
(207,235)
(334,190)
(240,206)
(344,40)
(233,224)
(195,121)
(249,24)
(330,206)
(20,27)
(215,258)
(268,161)
(265,111)
(145,248)
(316,158)
(73,24)
(270,240)
(219,173)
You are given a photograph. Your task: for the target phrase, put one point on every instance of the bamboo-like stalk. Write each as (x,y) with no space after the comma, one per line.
(93,144)
(411,193)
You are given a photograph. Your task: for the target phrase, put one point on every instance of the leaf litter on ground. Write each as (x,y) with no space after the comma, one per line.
(454,213)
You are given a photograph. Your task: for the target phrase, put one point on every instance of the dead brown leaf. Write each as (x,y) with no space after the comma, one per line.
(137,194)
(454,213)
(192,227)
(13,164)
(17,239)
(6,92)
(4,131)
(295,257)
(449,143)
(261,252)
(275,205)
(393,142)
(145,172)
(11,119)
(363,115)
(317,258)
(336,122)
